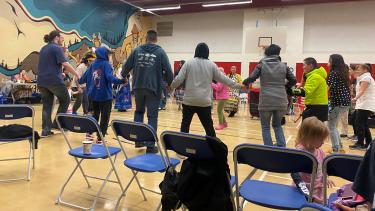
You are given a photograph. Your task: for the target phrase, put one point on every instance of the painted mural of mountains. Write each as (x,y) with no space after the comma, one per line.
(29,63)
(85,17)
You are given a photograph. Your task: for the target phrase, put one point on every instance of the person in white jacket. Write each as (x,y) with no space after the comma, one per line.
(365,105)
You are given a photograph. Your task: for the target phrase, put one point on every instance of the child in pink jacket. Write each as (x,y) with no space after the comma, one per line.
(222,95)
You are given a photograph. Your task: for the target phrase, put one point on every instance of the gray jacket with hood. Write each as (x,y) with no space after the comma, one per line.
(273,75)
(198,74)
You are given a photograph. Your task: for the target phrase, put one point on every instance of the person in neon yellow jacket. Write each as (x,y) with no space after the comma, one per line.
(314,90)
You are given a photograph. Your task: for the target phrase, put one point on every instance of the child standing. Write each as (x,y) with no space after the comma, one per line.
(310,138)
(71,93)
(222,95)
(99,79)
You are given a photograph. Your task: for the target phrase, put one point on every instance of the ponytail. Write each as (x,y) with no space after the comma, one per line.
(46,38)
(51,36)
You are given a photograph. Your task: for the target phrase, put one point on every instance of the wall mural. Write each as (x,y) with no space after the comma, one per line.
(84,23)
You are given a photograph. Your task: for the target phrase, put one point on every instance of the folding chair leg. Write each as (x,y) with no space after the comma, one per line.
(242,204)
(33,148)
(113,169)
(140,187)
(127,187)
(83,173)
(29,163)
(101,189)
(116,173)
(59,200)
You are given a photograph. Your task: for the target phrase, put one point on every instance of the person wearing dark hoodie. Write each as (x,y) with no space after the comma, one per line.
(198,74)
(315,90)
(150,65)
(99,79)
(273,99)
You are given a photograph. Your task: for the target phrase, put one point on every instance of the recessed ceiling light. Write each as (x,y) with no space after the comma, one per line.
(162,8)
(226,3)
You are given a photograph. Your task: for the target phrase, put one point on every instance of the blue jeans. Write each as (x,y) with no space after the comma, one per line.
(163,100)
(333,118)
(265,119)
(146,99)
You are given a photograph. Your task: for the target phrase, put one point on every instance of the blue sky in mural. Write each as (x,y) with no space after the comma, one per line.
(109,17)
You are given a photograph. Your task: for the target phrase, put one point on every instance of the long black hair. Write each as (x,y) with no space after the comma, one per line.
(202,51)
(339,67)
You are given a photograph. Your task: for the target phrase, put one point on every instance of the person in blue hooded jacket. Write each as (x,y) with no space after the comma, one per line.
(99,79)
(150,65)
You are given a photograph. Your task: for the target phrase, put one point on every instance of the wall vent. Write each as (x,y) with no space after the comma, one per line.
(164,29)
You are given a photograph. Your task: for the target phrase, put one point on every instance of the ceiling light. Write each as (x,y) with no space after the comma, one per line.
(162,8)
(226,3)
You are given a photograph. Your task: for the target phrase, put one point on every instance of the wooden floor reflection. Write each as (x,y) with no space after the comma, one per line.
(53,165)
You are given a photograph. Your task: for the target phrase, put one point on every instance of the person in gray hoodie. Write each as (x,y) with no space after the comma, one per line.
(150,64)
(273,100)
(198,73)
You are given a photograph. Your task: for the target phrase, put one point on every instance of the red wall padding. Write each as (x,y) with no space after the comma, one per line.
(225,65)
(299,70)
(252,66)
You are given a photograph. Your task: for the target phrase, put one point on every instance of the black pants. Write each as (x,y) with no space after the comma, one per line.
(352,119)
(102,110)
(204,114)
(362,128)
(318,111)
(48,93)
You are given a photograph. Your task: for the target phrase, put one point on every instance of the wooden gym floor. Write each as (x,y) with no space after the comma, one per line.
(53,165)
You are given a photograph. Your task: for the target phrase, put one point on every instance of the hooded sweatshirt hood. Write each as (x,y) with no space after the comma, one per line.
(99,77)
(319,71)
(102,53)
(150,48)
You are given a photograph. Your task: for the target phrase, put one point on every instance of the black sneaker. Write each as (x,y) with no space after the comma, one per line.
(46,134)
(139,144)
(358,147)
(153,150)
(353,137)
(343,135)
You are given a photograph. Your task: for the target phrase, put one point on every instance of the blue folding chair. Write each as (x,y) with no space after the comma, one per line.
(272,159)
(190,146)
(146,163)
(314,207)
(339,165)
(86,124)
(14,112)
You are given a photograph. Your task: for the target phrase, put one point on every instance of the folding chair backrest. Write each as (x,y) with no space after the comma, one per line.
(343,166)
(10,112)
(134,131)
(275,159)
(77,123)
(188,145)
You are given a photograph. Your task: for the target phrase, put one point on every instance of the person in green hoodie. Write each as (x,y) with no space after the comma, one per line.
(314,90)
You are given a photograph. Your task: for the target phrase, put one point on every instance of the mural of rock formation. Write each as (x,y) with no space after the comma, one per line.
(30,63)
